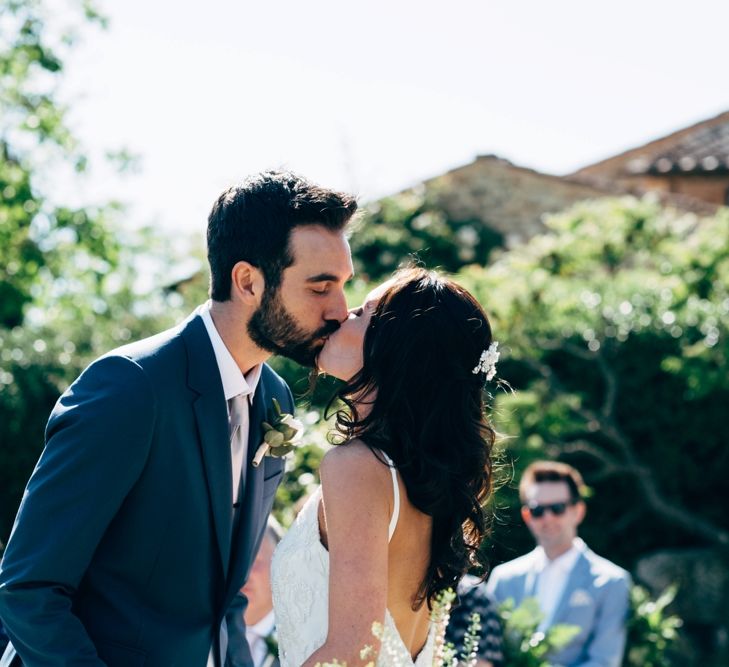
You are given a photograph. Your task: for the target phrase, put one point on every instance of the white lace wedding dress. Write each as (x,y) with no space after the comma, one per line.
(300,586)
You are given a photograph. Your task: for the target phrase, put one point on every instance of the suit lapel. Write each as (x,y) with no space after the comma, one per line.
(578,578)
(212,423)
(530,580)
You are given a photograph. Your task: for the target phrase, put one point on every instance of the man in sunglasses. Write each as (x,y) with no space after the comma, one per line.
(572,585)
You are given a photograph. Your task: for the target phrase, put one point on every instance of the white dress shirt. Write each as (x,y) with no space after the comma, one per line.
(552,576)
(234,384)
(256,636)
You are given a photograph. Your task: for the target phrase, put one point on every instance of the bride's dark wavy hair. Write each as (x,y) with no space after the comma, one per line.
(428,412)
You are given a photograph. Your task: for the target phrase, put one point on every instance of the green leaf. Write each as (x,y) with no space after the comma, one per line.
(273,438)
(281,450)
(277,407)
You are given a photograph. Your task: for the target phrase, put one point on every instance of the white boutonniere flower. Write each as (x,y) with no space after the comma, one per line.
(280,435)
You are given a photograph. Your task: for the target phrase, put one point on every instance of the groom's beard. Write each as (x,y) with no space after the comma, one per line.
(275,330)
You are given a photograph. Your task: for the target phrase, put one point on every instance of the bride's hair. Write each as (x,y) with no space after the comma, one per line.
(427,412)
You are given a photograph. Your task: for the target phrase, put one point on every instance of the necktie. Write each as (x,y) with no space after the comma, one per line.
(238,430)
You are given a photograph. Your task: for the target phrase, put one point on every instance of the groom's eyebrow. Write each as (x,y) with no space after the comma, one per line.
(327,277)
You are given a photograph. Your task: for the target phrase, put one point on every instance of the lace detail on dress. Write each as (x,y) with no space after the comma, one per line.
(300,588)
(299,585)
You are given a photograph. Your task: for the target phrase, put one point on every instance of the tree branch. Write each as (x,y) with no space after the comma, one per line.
(656,501)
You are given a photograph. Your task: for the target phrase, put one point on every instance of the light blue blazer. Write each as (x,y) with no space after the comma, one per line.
(596,599)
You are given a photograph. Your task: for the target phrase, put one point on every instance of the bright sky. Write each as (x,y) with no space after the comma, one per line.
(373,97)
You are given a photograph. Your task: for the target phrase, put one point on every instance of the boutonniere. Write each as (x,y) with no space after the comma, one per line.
(280,434)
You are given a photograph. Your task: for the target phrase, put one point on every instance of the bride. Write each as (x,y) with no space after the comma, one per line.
(398,516)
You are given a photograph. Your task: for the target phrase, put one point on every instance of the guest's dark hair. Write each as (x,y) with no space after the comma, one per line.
(552,471)
(252,222)
(426,336)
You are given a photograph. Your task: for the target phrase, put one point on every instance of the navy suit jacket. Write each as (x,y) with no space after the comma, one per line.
(595,599)
(125,551)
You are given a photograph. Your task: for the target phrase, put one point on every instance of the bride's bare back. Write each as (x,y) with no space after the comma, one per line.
(355,513)
(408,559)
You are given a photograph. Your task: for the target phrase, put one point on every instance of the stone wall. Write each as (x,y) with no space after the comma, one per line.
(509,199)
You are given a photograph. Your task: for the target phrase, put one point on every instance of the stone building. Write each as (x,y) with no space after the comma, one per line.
(688,169)
(509,199)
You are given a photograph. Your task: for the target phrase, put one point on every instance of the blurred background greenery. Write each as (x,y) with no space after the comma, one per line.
(613,327)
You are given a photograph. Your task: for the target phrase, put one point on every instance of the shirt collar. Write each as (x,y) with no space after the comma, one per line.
(565,562)
(234,382)
(264,627)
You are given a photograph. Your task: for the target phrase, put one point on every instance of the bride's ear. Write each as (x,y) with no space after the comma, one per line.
(247,284)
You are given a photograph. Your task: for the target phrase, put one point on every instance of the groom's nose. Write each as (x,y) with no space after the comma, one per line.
(337,307)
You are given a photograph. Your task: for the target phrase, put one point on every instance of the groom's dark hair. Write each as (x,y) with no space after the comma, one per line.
(252,222)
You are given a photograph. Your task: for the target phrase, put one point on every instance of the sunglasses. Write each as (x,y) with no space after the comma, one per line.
(537,511)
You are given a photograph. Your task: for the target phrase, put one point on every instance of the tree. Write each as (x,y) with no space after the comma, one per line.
(614,329)
(413,224)
(615,326)
(69,283)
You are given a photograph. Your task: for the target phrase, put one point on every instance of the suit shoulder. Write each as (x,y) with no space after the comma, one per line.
(605,570)
(146,349)
(136,367)
(113,370)
(514,568)
(103,396)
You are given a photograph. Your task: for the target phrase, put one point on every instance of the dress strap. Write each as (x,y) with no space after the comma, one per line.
(396,491)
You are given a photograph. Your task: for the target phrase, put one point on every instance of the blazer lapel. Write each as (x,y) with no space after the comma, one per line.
(578,578)
(530,580)
(212,423)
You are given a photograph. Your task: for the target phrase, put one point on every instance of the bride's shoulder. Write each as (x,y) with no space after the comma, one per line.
(352,466)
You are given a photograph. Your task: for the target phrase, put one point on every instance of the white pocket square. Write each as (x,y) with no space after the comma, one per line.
(580,598)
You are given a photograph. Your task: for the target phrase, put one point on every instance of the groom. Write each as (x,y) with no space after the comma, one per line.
(140,522)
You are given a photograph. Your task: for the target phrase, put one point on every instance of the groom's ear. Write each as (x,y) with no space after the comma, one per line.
(247,283)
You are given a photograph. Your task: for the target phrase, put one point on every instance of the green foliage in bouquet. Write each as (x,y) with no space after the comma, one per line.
(472,640)
(652,632)
(526,646)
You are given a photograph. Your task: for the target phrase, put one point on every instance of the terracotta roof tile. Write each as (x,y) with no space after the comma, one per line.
(706,149)
(699,148)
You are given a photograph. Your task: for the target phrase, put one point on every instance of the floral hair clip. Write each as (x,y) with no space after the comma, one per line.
(487,362)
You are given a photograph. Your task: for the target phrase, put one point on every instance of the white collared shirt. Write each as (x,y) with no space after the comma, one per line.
(552,576)
(256,637)
(234,384)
